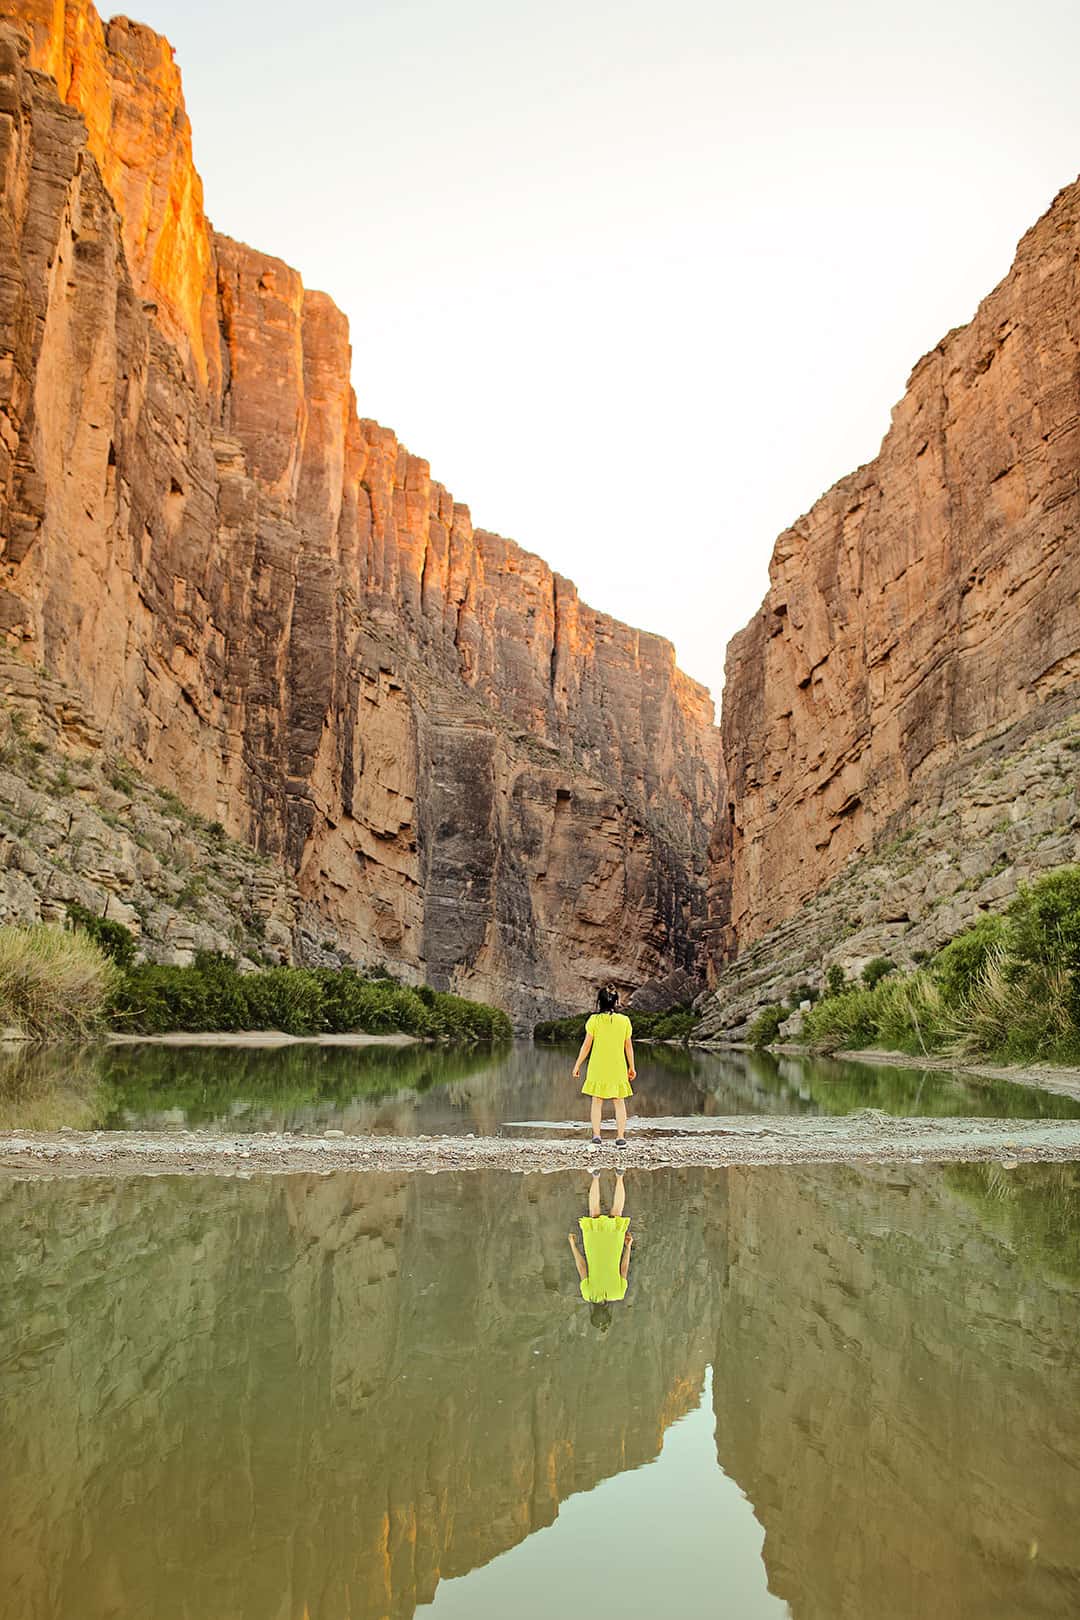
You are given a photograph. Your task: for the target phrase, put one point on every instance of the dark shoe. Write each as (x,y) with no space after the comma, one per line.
(620,1141)
(596,1142)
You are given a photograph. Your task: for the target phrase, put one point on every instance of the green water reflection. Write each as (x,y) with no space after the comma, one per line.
(312,1398)
(433,1089)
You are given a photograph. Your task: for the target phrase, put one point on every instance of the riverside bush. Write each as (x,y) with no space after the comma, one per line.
(153,999)
(55,983)
(116,941)
(766,1026)
(673,1024)
(1008,988)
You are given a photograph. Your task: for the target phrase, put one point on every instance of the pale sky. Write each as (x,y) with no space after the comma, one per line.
(640,280)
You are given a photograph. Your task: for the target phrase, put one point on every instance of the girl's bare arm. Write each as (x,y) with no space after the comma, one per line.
(624,1263)
(586,1048)
(579,1259)
(628,1048)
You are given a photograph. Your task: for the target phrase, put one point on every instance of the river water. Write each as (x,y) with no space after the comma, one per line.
(830,1394)
(426,1089)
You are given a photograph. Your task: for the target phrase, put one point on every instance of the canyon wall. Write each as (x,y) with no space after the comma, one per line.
(268,604)
(921,631)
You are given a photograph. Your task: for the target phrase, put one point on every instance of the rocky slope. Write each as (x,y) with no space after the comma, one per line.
(78,824)
(920,629)
(268,604)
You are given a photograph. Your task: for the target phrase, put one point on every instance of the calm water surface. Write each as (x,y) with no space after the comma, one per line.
(430,1089)
(830,1394)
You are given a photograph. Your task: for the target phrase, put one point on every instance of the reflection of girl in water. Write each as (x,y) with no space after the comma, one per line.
(611,1065)
(604,1268)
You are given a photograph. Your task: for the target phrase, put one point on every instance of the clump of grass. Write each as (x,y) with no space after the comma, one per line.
(55,983)
(672,1024)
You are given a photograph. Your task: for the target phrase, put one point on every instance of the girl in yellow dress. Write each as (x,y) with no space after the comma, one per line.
(604,1268)
(611,1064)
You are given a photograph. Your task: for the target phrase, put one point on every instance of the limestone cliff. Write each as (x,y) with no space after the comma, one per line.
(921,629)
(266,600)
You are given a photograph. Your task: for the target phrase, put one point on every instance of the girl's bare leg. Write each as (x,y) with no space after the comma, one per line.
(620,1116)
(618,1203)
(596,1113)
(594,1196)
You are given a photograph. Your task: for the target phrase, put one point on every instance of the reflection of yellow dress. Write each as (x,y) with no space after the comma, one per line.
(606,1076)
(603,1237)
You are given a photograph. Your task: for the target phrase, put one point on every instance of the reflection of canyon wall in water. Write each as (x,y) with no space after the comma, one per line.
(242,1399)
(898,1394)
(315,1396)
(270,601)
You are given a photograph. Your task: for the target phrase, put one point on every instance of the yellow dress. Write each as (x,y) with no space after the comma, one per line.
(606,1074)
(603,1237)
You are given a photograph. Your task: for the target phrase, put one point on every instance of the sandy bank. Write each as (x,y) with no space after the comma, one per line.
(859,1138)
(1045,1076)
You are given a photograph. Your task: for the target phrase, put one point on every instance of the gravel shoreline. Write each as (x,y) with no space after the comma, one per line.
(865,1137)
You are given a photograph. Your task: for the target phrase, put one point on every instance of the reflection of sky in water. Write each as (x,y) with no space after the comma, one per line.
(678,1537)
(427,1089)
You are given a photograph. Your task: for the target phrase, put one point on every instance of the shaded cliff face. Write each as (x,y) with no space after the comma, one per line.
(267,600)
(922,608)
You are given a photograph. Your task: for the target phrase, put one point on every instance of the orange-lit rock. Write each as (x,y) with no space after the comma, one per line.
(124,81)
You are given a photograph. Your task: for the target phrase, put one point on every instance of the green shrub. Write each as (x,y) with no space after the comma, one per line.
(289,999)
(152,999)
(878,968)
(55,983)
(1007,988)
(117,942)
(671,1024)
(835,983)
(910,1013)
(766,1026)
(1044,928)
(959,965)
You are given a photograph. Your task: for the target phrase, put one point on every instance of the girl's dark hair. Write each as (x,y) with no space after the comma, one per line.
(607,999)
(600,1317)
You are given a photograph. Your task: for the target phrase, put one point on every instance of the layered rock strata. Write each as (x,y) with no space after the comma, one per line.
(921,624)
(268,603)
